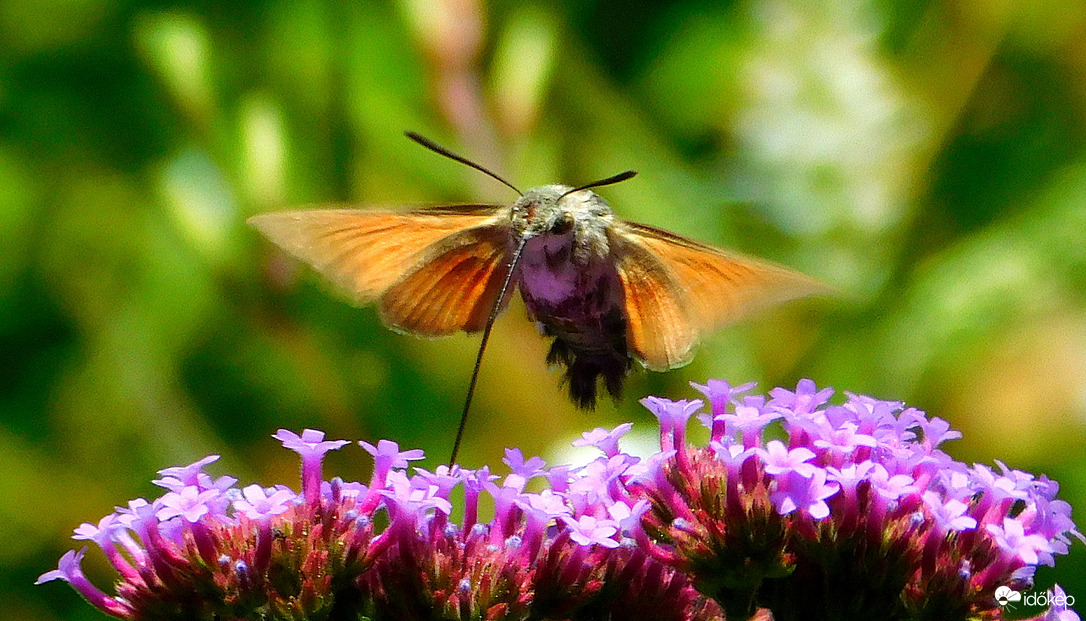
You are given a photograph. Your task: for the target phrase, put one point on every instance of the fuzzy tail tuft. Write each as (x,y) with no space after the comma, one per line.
(584,370)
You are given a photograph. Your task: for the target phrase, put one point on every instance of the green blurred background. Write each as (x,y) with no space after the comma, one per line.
(925,158)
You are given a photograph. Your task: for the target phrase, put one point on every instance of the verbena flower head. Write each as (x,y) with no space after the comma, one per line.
(857,496)
(387,550)
(850,512)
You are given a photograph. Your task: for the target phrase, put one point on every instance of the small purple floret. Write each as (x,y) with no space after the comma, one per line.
(312,446)
(604,439)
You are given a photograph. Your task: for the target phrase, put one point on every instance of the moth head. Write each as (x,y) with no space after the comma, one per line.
(557,210)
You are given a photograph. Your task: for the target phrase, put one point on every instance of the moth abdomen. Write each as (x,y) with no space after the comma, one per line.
(591,358)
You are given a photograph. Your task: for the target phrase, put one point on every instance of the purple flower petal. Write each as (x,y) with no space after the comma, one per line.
(720,393)
(803,400)
(523,471)
(779,460)
(807,493)
(179,477)
(258,505)
(673,415)
(587,530)
(603,439)
(386,456)
(312,446)
(190,504)
(70,571)
(1012,538)
(949,514)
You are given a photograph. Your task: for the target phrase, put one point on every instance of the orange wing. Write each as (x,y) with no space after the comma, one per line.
(370,254)
(454,287)
(676,289)
(659,331)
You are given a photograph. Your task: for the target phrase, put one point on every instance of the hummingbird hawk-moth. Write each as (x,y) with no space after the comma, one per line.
(609,292)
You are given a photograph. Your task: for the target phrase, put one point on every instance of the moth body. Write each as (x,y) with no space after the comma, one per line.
(570,286)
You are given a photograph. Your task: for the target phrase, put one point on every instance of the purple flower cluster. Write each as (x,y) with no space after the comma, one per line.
(852,513)
(857,497)
(386,550)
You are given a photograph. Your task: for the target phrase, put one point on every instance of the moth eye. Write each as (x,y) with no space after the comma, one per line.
(564,225)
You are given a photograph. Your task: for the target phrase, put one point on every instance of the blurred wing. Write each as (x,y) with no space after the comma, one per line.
(658,328)
(454,287)
(675,289)
(366,253)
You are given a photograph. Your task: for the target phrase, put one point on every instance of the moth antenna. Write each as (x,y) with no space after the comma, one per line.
(440,150)
(622,176)
(482,347)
